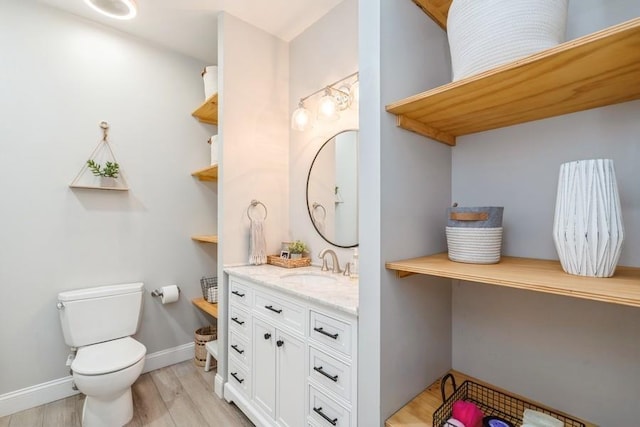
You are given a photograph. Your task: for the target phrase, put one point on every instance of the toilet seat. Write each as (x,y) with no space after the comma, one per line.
(107,357)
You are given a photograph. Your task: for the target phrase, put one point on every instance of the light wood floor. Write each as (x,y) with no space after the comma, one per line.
(176,396)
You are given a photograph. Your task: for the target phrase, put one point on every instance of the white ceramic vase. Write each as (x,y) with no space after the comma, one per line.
(587,229)
(485,34)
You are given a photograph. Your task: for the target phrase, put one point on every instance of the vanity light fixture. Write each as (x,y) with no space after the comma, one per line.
(117,9)
(301,118)
(337,96)
(328,107)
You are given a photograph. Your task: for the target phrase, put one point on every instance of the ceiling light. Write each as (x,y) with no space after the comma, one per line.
(301,118)
(117,9)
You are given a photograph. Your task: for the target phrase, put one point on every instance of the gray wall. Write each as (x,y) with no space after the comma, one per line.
(60,76)
(323,53)
(580,356)
(405,324)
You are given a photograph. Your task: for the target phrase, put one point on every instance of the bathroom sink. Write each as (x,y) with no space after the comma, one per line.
(308,279)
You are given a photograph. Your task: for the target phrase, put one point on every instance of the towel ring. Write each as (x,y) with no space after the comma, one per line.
(317,205)
(253,204)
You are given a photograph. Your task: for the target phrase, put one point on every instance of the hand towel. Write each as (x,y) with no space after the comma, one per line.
(257,243)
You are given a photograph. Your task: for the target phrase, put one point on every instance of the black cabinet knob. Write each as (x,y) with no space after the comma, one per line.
(279,343)
(267,336)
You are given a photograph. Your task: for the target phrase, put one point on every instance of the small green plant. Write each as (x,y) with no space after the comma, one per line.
(110,169)
(297,247)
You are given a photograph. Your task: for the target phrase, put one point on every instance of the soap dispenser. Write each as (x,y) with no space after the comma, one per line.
(355,265)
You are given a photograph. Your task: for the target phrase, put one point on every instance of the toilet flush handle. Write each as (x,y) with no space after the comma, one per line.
(60,305)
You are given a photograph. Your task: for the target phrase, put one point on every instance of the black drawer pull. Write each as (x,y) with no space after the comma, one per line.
(322,414)
(239,322)
(267,336)
(323,332)
(235,347)
(319,369)
(275,310)
(279,343)
(240,380)
(238,294)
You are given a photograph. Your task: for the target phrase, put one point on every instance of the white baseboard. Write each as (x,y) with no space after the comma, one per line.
(218,386)
(51,391)
(168,357)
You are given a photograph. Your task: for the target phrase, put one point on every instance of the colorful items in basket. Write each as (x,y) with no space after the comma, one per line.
(533,418)
(496,422)
(467,413)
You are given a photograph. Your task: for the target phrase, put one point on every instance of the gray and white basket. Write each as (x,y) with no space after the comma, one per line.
(474,234)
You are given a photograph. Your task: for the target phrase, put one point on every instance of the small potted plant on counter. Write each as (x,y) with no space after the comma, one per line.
(107,175)
(296,249)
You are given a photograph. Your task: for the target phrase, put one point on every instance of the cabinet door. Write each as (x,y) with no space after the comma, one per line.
(264,364)
(290,398)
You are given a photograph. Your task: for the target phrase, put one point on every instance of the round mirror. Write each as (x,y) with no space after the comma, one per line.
(332,190)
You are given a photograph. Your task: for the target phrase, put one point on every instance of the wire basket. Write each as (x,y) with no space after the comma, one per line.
(492,403)
(209,288)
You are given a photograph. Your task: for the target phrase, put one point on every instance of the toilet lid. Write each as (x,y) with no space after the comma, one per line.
(109,356)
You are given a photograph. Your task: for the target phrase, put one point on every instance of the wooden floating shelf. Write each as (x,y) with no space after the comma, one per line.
(208,111)
(205,238)
(91,187)
(438,10)
(207,174)
(210,308)
(593,71)
(419,411)
(530,274)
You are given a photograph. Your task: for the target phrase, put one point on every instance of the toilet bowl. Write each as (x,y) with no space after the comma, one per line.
(98,323)
(104,372)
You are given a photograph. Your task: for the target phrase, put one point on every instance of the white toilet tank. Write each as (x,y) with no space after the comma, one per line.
(103,313)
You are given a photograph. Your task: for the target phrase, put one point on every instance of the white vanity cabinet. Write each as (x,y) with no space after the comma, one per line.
(292,358)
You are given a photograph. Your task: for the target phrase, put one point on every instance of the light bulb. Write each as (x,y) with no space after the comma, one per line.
(327,107)
(301,118)
(117,9)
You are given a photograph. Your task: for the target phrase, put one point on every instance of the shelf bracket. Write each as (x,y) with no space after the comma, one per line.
(425,130)
(402,274)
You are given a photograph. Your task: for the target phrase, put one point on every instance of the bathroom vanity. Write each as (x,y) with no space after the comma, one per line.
(292,346)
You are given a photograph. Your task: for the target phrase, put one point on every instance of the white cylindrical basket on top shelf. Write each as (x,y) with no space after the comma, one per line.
(485,34)
(210,79)
(474,234)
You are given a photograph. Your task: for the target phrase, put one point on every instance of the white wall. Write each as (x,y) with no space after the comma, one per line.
(405,324)
(60,76)
(582,357)
(325,52)
(254,141)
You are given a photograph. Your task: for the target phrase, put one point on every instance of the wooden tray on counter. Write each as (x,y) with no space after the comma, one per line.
(288,263)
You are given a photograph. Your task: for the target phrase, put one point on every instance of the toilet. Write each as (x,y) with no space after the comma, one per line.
(98,323)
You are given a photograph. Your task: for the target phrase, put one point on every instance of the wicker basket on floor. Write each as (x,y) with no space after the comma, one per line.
(202,337)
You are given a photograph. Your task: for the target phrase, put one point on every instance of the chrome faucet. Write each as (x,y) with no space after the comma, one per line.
(336,263)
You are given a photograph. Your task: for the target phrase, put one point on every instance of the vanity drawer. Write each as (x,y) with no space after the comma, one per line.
(239,377)
(240,294)
(327,412)
(240,348)
(331,332)
(281,311)
(330,372)
(239,321)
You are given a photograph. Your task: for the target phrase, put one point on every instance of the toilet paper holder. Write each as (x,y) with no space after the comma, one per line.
(159,293)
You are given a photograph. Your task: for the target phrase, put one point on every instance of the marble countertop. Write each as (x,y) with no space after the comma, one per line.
(342,294)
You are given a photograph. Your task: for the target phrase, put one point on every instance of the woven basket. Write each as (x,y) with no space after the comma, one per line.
(474,234)
(288,263)
(202,337)
(488,33)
